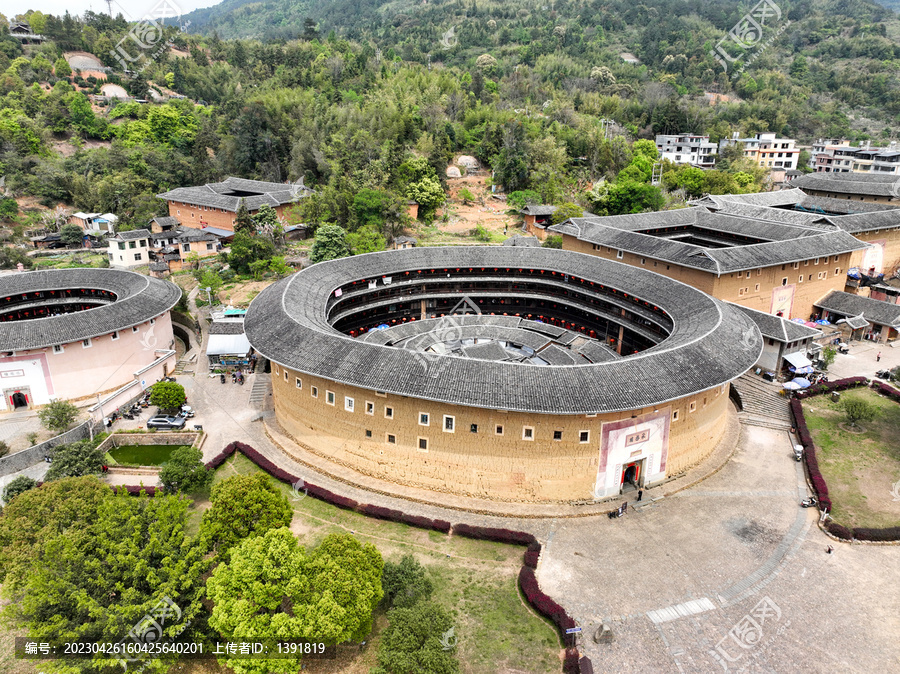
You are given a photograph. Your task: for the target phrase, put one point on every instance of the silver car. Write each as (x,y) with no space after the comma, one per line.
(166,422)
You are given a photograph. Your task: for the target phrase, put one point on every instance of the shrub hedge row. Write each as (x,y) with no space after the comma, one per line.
(527,580)
(545,605)
(812,461)
(887,391)
(810,456)
(836,385)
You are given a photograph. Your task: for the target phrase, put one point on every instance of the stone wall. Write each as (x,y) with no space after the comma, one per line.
(496,459)
(35,454)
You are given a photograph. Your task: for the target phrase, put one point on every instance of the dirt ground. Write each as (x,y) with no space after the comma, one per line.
(463,218)
(241,294)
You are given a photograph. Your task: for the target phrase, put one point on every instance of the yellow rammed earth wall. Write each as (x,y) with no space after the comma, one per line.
(486,463)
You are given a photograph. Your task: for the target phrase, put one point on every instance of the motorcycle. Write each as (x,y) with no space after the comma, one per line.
(187,412)
(798,452)
(126,415)
(810,502)
(222,378)
(884,374)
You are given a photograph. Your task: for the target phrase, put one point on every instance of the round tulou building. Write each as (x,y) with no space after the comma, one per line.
(75,333)
(516,374)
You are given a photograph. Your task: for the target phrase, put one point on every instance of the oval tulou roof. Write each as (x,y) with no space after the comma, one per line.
(139,298)
(710,344)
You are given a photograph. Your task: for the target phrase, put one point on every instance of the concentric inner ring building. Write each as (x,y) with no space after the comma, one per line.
(74,333)
(505,373)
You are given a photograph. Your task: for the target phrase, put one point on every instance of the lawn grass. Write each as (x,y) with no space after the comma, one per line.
(859,468)
(142,455)
(475,580)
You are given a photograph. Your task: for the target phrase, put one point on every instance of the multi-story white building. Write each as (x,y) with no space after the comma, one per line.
(129,249)
(844,158)
(824,148)
(767,150)
(687,148)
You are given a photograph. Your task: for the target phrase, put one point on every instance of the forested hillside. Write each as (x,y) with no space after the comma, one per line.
(371,110)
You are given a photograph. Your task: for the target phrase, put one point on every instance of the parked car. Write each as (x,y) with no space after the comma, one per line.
(166,422)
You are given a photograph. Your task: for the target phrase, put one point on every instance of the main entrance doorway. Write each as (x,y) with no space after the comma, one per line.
(632,475)
(18,399)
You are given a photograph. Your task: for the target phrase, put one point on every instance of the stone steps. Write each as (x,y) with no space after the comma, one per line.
(763,405)
(262,389)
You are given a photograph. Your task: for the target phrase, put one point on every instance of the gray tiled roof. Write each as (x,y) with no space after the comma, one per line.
(159,266)
(855,322)
(538,209)
(868,222)
(221,195)
(849,183)
(775,215)
(133,235)
(140,298)
(848,304)
(778,327)
(783,243)
(779,198)
(165,221)
(226,328)
(710,344)
(526,241)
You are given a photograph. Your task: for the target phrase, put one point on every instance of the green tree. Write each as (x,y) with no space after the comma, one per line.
(4,448)
(167,395)
(211,279)
(17,486)
(102,563)
(58,415)
(633,197)
(265,220)
(9,208)
(366,239)
(243,221)
(246,249)
(857,409)
(429,194)
(522,198)
(279,267)
(10,258)
(829,353)
(466,195)
(405,582)
(552,241)
(273,588)
(71,235)
(75,459)
(61,68)
(416,640)
(185,471)
(242,506)
(330,243)
(566,211)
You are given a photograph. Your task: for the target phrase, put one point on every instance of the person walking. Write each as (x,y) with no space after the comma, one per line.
(640,494)
(878,357)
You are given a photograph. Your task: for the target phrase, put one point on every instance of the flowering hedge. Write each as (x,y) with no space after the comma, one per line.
(812,460)
(492,534)
(532,554)
(887,391)
(836,385)
(545,605)
(571,662)
(810,456)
